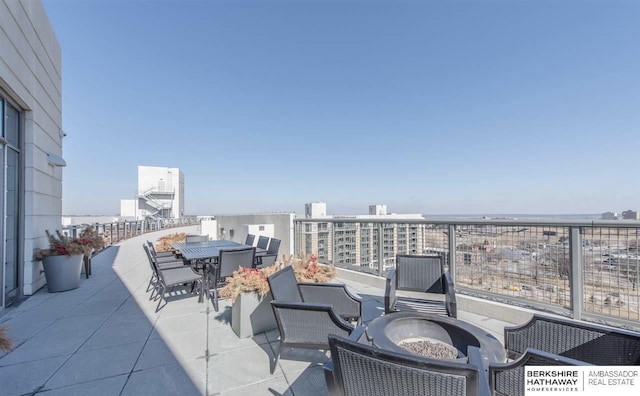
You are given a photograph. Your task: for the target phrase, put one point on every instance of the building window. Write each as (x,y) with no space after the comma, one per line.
(10,199)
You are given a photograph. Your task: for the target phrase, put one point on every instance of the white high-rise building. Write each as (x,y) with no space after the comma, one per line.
(160,194)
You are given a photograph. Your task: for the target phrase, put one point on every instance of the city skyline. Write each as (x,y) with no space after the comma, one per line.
(427,107)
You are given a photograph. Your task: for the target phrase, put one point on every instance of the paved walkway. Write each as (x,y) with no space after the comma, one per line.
(105,338)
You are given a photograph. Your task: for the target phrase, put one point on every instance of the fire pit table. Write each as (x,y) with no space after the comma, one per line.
(433,336)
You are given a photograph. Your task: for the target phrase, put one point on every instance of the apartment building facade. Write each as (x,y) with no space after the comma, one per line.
(356,243)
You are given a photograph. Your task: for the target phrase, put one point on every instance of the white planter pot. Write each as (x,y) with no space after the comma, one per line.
(62,272)
(251,315)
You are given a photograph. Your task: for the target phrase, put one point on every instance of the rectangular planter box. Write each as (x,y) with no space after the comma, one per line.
(251,315)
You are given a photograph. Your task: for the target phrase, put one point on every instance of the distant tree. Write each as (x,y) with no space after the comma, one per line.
(561,262)
(632,275)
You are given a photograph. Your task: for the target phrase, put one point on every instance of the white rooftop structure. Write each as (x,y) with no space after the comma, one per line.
(160,194)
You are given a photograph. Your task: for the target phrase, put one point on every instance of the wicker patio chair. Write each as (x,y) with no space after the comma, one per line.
(229,261)
(250,239)
(423,274)
(588,342)
(361,370)
(196,238)
(270,257)
(307,314)
(507,379)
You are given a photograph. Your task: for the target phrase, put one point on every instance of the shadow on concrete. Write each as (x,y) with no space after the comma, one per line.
(95,339)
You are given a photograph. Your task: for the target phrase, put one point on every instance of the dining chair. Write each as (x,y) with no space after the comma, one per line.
(153,264)
(263,242)
(228,262)
(164,277)
(160,254)
(250,239)
(270,257)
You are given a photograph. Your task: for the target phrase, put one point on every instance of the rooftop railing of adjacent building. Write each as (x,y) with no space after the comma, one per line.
(583,269)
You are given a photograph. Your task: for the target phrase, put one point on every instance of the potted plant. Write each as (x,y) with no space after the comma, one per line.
(62,261)
(165,242)
(5,342)
(89,237)
(248,290)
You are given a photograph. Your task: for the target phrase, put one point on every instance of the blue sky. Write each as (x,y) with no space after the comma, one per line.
(434,107)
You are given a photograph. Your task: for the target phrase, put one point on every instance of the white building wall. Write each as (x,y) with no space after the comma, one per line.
(315,209)
(282,224)
(209,227)
(377,209)
(267,230)
(128,207)
(31,76)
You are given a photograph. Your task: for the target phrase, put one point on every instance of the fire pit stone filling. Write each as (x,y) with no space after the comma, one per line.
(429,347)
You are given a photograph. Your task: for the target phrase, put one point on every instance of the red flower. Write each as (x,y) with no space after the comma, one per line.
(60,249)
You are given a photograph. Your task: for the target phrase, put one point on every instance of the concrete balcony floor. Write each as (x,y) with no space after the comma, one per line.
(105,338)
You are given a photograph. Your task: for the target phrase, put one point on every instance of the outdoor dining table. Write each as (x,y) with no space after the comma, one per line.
(206,254)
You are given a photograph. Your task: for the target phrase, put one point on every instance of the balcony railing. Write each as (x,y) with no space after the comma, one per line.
(582,269)
(119,231)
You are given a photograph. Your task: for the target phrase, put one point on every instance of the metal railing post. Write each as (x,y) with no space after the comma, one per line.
(380,249)
(452,251)
(575,273)
(296,238)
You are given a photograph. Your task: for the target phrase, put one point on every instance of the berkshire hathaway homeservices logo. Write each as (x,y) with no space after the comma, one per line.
(581,380)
